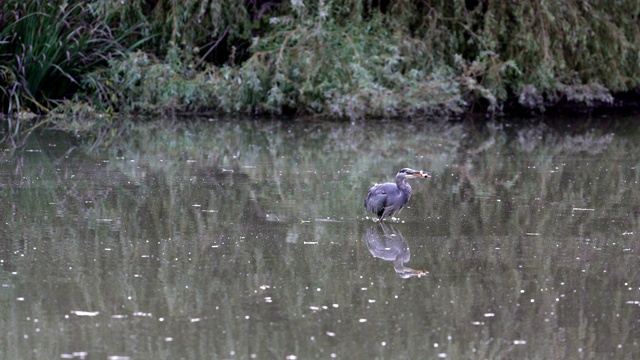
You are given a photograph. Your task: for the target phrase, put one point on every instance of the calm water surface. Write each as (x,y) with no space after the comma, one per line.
(249,240)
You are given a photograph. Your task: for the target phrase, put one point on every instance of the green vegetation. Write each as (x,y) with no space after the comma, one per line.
(342,59)
(46,47)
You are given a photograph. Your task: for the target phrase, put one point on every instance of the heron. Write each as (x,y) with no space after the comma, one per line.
(389,198)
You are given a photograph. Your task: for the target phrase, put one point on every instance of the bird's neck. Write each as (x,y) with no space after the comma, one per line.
(404,187)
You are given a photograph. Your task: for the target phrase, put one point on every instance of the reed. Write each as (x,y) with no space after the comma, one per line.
(45,48)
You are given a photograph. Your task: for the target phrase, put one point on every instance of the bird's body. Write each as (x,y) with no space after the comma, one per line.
(389,198)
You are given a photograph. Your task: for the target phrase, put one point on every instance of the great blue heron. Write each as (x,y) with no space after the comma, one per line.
(388,199)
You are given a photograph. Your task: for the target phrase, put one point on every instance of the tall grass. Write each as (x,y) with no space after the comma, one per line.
(45,48)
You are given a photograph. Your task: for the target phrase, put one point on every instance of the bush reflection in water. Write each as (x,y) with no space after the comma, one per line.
(232,239)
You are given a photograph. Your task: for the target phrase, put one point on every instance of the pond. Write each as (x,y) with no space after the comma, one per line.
(249,239)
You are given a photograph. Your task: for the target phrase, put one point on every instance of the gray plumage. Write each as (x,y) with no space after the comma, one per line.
(389,198)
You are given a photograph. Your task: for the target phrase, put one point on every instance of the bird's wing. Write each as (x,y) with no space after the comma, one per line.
(377,197)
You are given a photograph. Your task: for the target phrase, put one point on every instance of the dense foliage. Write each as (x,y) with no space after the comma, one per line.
(46,47)
(344,58)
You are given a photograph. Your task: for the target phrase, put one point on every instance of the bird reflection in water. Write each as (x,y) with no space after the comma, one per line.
(385,242)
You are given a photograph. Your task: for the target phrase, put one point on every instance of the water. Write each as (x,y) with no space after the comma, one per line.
(249,240)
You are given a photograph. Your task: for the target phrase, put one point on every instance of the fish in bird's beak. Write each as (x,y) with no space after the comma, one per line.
(410,173)
(419,174)
(424,174)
